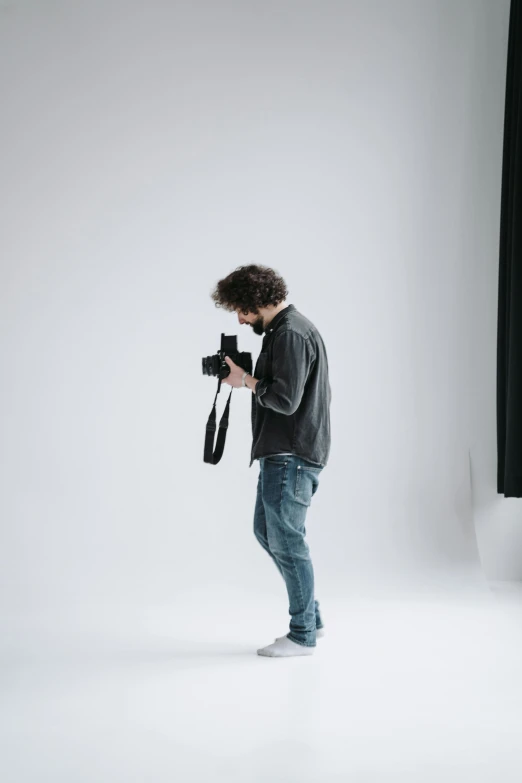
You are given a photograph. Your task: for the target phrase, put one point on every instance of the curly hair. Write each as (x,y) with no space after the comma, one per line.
(248,288)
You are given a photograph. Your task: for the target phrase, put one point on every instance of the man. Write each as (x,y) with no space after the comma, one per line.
(291,436)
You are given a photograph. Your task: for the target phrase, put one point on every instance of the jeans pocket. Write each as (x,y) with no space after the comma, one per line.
(277,459)
(306,484)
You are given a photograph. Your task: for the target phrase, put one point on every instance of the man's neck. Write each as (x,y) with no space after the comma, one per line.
(270,316)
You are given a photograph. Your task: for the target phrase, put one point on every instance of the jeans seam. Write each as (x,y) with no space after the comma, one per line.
(283,484)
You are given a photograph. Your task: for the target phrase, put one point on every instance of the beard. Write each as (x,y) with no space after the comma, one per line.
(258,326)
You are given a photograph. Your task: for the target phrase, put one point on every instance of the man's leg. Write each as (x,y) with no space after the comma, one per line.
(287,485)
(260,522)
(260,533)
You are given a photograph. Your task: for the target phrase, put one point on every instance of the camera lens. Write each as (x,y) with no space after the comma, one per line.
(208,365)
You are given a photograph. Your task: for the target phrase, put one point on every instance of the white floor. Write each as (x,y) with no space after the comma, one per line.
(423,689)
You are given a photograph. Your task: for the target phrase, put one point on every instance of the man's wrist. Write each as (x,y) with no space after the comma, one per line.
(251,382)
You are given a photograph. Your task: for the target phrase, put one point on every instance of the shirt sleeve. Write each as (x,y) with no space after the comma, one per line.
(292,359)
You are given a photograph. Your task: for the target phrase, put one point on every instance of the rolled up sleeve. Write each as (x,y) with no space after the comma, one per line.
(292,360)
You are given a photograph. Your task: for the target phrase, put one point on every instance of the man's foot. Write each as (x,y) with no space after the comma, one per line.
(319,633)
(284,647)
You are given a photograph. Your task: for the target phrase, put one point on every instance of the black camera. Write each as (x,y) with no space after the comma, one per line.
(217,366)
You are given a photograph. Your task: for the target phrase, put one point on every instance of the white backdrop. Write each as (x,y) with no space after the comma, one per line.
(147,150)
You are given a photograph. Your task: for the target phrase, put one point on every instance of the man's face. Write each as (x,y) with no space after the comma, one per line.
(253,320)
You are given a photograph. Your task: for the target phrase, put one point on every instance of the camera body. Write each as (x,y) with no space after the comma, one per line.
(216,364)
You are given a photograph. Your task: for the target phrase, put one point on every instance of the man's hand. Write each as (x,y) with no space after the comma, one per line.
(236,373)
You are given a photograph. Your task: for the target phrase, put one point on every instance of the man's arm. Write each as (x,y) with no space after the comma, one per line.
(251,382)
(292,359)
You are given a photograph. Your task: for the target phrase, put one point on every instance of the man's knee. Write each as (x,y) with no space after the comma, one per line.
(293,547)
(261,537)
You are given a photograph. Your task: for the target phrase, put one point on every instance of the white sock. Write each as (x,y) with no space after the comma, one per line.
(285,647)
(319,634)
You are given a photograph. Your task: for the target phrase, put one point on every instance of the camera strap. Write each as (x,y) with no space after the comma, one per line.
(208,456)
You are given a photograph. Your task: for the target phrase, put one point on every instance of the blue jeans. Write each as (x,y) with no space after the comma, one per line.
(285,489)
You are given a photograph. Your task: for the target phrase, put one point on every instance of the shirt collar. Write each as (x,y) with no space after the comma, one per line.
(277,318)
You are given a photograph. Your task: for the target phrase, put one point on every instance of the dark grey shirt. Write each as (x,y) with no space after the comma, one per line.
(291,402)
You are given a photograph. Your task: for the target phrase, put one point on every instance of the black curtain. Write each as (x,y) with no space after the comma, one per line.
(509,335)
